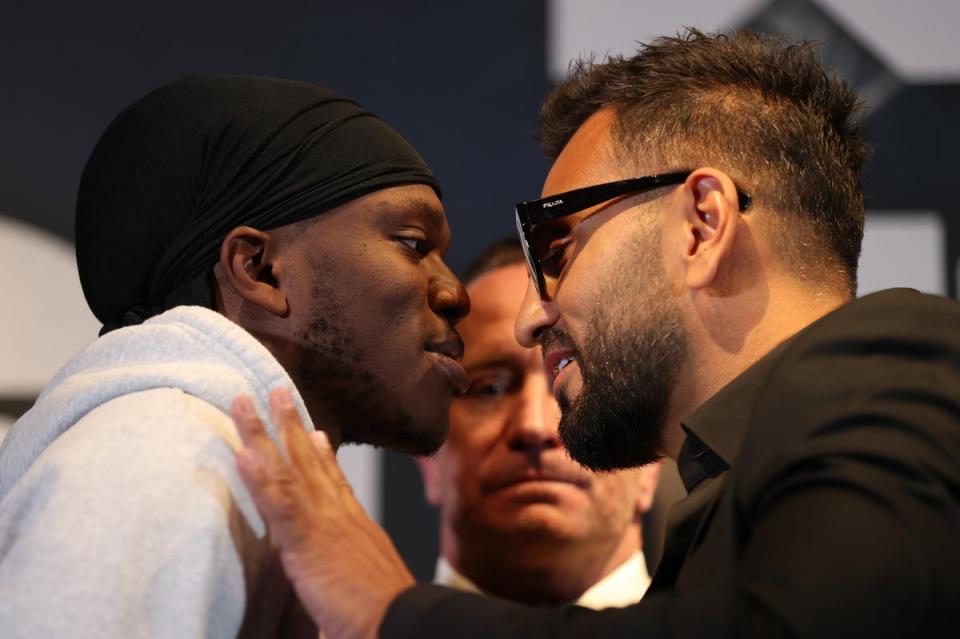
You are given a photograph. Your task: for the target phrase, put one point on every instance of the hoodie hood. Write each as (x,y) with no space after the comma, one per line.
(189,348)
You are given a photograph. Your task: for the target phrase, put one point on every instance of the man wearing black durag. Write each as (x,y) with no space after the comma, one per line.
(233,235)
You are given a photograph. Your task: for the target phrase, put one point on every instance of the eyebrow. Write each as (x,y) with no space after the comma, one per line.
(412,206)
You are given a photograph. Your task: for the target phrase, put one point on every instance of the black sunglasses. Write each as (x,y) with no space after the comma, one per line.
(545,241)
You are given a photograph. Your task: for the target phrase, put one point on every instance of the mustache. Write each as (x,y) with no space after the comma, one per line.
(555,338)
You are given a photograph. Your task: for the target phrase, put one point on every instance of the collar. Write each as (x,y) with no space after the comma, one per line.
(447,575)
(716,429)
(622,587)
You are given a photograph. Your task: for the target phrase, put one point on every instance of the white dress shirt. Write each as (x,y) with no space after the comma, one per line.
(622,587)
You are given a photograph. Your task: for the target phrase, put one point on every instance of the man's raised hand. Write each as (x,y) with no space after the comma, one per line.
(343,566)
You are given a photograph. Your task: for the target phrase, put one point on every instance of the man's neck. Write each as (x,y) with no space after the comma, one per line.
(723,346)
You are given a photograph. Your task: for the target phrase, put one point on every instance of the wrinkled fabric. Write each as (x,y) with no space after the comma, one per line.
(181,167)
(830,507)
(122,511)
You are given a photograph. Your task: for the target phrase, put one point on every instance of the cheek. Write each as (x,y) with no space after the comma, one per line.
(388,311)
(472,441)
(393,299)
(578,294)
(616,497)
(382,269)
(458,484)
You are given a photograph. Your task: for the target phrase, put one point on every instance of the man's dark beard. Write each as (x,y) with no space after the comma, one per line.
(618,420)
(629,366)
(331,373)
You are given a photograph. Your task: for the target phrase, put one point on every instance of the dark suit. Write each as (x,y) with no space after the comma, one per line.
(824,499)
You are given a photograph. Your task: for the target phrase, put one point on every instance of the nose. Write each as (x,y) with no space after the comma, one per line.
(534,316)
(446,295)
(534,417)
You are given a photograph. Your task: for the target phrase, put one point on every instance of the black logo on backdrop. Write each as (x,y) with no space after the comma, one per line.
(912,127)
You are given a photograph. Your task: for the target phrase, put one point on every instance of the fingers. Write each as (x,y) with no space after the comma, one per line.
(320,441)
(326,459)
(292,433)
(272,479)
(308,454)
(263,469)
(253,434)
(322,449)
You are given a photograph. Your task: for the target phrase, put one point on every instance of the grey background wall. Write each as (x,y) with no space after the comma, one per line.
(463,82)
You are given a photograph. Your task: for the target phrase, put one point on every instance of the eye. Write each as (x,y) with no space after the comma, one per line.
(489,389)
(550,242)
(555,259)
(418,245)
(490,386)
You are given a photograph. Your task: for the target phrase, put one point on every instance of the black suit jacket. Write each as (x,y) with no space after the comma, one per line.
(824,499)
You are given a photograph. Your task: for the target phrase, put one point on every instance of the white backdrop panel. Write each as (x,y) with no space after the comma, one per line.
(903,249)
(917,39)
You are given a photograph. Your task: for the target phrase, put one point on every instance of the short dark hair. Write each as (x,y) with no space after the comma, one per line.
(504,252)
(767,112)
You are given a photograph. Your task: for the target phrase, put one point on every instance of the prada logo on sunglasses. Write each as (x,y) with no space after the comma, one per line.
(548,205)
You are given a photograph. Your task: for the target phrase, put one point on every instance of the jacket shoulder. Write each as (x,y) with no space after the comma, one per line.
(877,379)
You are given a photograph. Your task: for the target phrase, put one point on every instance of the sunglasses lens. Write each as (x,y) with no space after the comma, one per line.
(550,244)
(531,262)
(542,236)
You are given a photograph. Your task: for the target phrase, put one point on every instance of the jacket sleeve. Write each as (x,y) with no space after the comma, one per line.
(850,532)
(848,504)
(824,562)
(128,526)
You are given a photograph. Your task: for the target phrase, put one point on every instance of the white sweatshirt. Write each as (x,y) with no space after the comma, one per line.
(122,513)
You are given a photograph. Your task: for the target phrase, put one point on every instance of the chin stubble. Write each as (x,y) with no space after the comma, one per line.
(331,373)
(629,364)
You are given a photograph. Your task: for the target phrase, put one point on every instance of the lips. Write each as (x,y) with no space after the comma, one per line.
(555,361)
(556,473)
(446,354)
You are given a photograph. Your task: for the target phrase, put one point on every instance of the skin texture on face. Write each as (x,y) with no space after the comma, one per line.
(618,418)
(518,516)
(619,324)
(365,322)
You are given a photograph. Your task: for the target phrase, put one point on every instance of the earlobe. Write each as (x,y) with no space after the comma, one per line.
(246,264)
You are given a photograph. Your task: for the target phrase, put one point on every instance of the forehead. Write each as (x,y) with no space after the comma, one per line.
(414,203)
(417,199)
(590,157)
(495,297)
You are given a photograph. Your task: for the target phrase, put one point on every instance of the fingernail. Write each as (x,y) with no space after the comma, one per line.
(282,398)
(243,406)
(321,438)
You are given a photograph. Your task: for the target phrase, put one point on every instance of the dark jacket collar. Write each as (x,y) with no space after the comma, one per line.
(716,429)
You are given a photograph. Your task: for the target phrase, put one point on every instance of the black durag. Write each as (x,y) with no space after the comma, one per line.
(181,167)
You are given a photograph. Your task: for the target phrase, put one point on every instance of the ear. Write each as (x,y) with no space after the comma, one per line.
(647,478)
(710,226)
(246,261)
(430,470)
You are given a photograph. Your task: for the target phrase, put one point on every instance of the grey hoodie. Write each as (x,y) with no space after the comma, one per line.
(121,510)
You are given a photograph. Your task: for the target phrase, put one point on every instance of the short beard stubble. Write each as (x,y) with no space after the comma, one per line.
(332,373)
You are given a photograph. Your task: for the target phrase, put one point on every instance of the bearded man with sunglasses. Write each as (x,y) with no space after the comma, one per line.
(693,277)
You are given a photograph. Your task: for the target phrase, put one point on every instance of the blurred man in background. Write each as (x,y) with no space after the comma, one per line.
(519,518)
